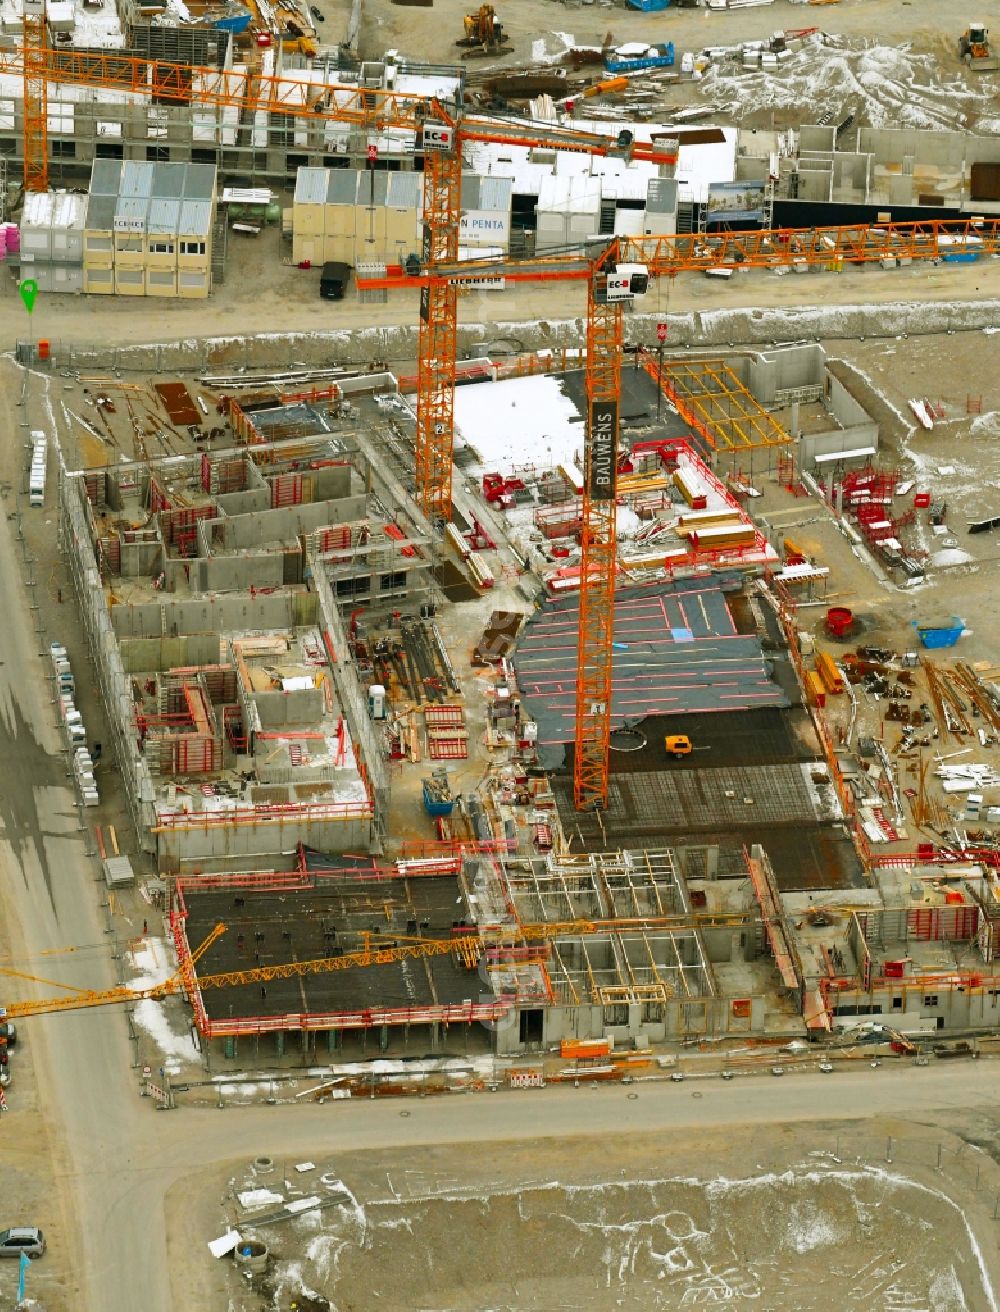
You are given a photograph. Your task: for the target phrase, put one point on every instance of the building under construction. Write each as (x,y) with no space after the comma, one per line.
(606,953)
(212,587)
(611,946)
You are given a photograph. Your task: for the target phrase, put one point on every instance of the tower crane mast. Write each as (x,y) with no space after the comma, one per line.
(36,105)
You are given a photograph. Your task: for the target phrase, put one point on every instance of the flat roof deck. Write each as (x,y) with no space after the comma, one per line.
(678,651)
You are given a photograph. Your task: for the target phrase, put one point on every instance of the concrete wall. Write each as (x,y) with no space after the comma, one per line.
(245,503)
(242,531)
(195,839)
(701,1016)
(238,573)
(894,145)
(331,482)
(227,614)
(792,367)
(352,696)
(141,559)
(848,411)
(858,432)
(277,710)
(851,443)
(75,542)
(815,180)
(144,655)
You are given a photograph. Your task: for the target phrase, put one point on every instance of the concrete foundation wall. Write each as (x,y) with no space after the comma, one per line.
(229,614)
(243,531)
(238,573)
(146,655)
(280,710)
(792,367)
(195,840)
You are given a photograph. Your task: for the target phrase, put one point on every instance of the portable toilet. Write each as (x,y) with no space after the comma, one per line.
(376,701)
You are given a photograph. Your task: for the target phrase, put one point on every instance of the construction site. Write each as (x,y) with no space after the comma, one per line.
(564,663)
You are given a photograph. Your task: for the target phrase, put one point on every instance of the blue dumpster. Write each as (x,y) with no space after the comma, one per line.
(943,634)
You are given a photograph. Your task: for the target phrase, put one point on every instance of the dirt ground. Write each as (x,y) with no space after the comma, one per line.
(830,1215)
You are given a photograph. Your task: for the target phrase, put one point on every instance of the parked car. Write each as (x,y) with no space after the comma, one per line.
(20,1239)
(317,14)
(8,1031)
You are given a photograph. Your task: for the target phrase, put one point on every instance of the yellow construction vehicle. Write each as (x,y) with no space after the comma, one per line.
(678,745)
(975,49)
(484,31)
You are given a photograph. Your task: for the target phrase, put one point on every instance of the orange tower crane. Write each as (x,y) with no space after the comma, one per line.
(611,284)
(36,103)
(441,135)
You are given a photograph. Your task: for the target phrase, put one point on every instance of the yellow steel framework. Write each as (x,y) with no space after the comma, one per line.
(599,544)
(437,338)
(710,397)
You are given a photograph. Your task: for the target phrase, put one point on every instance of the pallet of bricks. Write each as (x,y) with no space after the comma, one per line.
(447,736)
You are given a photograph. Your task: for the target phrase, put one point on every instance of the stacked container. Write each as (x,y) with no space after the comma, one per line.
(36,477)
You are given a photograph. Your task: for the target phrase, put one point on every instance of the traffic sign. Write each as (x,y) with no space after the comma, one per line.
(661,332)
(372,154)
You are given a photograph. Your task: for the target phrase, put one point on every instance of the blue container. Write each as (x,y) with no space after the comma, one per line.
(237,21)
(435,806)
(665,59)
(940,635)
(961,257)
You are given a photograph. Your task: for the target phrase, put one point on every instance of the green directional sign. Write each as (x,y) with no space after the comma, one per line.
(28,290)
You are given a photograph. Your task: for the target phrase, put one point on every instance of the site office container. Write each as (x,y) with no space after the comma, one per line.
(193,284)
(99,279)
(161,281)
(161,234)
(129,280)
(98,250)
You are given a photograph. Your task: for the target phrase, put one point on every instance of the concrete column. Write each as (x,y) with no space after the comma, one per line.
(230,1046)
(383,1038)
(435,1036)
(794,425)
(279,1043)
(334,1039)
